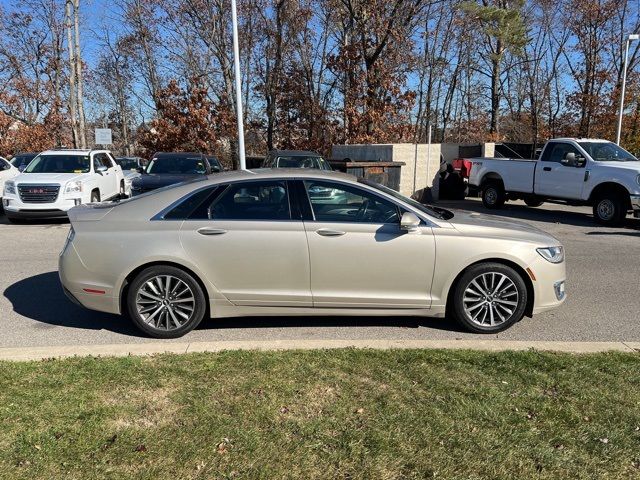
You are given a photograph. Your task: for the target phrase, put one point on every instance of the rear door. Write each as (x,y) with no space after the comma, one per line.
(553,179)
(250,246)
(360,258)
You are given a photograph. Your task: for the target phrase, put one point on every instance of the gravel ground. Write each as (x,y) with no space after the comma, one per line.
(602,284)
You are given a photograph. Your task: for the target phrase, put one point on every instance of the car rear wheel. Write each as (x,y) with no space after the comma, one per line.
(166,302)
(489,298)
(493,195)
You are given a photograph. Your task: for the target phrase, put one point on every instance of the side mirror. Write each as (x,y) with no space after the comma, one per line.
(569,160)
(409,222)
(101,169)
(140,169)
(22,167)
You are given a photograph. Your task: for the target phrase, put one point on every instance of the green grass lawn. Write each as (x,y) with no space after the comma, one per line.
(323,414)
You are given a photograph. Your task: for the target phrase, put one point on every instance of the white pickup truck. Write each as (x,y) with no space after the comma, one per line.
(57,180)
(569,170)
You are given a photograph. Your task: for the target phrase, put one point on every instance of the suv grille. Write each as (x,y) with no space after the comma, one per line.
(38,193)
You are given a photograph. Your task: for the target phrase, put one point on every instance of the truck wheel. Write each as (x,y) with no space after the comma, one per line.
(532,202)
(489,298)
(609,209)
(493,195)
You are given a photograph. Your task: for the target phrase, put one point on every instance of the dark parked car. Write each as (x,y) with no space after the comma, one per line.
(216,166)
(169,168)
(295,159)
(21,160)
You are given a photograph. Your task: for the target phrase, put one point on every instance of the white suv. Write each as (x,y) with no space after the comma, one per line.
(57,180)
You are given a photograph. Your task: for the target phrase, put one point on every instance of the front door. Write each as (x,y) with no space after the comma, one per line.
(360,257)
(553,179)
(107,180)
(248,245)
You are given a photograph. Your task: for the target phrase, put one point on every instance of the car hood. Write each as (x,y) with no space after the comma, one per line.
(632,166)
(60,178)
(151,181)
(478,224)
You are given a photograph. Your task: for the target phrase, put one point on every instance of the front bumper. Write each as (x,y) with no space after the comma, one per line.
(549,284)
(635,205)
(14,207)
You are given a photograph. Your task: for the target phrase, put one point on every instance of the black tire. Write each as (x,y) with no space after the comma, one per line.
(95,196)
(493,195)
(122,191)
(463,308)
(609,209)
(532,202)
(154,327)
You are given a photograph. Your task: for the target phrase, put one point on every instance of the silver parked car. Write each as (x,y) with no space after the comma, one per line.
(257,242)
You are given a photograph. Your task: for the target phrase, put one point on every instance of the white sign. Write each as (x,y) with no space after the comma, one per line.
(103,136)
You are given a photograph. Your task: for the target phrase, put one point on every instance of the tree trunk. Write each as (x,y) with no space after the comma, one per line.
(495,88)
(72,74)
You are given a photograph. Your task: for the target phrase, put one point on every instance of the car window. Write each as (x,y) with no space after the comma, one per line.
(607,152)
(334,202)
(264,200)
(177,165)
(59,164)
(188,207)
(559,151)
(101,160)
(4,165)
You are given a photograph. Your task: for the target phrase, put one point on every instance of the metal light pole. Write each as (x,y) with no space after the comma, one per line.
(238,81)
(624,83)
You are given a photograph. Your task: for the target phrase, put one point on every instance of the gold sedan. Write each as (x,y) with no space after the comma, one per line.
(303,242)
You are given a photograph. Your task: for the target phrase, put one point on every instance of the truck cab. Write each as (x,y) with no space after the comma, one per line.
(57,180)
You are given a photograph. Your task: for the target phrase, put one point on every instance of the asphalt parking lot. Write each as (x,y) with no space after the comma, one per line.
(602,284)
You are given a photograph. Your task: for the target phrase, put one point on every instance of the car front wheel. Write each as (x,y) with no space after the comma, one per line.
(609,209)
(489,298)
(165,302)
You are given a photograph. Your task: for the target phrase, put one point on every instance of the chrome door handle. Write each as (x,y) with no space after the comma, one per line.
(211,231)
(327,232)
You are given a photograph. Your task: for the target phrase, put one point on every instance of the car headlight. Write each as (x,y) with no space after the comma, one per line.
(9,187)
(73,187)
(552,254)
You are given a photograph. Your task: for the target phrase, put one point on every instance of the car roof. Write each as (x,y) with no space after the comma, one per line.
(582,140)
(295,153)
(267,173)
(73,151)
(177,154)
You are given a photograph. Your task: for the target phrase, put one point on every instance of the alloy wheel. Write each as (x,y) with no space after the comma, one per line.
(165,302)
(490,299)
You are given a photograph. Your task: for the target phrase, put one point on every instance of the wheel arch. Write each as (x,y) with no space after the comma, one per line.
(607,187)
(124,288)
(491,177)
(503,261)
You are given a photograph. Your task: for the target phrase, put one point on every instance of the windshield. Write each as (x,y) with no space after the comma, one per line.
(177,165)
(59,164)
(299,161)
(607,152)
(440,213)
(127,163)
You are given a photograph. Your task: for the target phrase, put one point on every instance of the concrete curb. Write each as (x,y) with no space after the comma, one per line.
(151,348)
